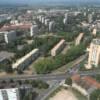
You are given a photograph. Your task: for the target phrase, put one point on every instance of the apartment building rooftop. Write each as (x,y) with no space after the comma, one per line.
(14,27)
(58,45)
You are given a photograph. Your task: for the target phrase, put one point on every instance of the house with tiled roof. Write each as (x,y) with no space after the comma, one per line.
(85,84)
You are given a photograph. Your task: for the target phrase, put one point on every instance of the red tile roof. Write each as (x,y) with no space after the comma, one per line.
(87,80)
(91,81)
(14,27)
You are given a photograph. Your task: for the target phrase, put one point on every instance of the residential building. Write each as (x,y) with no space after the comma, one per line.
(2,36)
(9,94)
(85,84)
(4,17)
(47,22)
(10,36)
(51,26)
(58,48)
(66,15)
(20,26)
(90,18)
(94,54)
(25,61)
(43,20)
(65,21)
(33,30)
(15,22)
(79,39)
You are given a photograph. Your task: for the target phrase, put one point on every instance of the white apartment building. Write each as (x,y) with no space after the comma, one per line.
(94,54)
(33,30)
(25,61)
(90,18)
(9,36)
(79,38)
(51,26)
(65,21)
(58,48)
(4,17)
(9,94)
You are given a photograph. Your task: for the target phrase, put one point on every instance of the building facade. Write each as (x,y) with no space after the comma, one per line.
(9,36)
(51,26)
(25,61)
(94,54)
(33,30)
(9,94)
(58,48)
(79,38)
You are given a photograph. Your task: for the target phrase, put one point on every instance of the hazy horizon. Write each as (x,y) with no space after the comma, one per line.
(45,1)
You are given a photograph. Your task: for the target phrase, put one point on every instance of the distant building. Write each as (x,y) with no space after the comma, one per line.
(47,22)
(10,36)
(14,22)
(79,39)
(51,26)
(86,84)
(65,21)
(94,54)
(4,17)
(90,18)
(33,30)
(9,94)
(85,13)
(66,15)
(20,26)
(23,62)
(43,20)
(97,24)
(58,48)
(2,36)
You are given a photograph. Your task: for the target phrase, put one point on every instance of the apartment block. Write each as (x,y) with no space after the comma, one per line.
(79,38)
(25,61)
(33,30)
(58,48)
(94,54)
(9,94)
(9,36)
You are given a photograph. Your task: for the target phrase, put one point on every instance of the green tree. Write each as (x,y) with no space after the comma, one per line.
(68,81)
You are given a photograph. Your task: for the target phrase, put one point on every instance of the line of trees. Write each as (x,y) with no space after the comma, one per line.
(45,44)
(46,65)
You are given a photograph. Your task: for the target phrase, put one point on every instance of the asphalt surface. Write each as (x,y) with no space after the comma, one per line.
(50,76)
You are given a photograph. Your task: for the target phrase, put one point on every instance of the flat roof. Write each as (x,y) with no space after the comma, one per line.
(58,45)
(80,36)
(14,27)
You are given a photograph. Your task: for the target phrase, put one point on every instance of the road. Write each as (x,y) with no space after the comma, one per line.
(49,76)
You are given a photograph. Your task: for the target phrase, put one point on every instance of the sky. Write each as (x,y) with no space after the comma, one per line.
(41,1)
